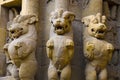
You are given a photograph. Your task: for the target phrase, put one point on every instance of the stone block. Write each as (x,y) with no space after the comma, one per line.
(2,64)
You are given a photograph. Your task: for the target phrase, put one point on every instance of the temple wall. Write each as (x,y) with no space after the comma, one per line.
(43,32)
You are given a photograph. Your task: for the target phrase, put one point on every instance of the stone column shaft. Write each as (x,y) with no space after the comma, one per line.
(30,7)
(3,21)
(93,7)
(106,10)
(61,4)
(118,17)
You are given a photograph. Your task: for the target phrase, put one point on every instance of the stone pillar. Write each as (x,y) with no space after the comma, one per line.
(118,24)
(106,10)
(118,17)
(30,7)
(114,12)
(2,37)
(61,4)
(94,14)
(3,24)
(93,7)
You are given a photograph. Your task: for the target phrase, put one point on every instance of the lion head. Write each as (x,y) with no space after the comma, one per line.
(96,25)
(19,25)
(61,21)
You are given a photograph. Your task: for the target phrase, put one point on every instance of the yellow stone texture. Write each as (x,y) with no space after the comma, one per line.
(2,37)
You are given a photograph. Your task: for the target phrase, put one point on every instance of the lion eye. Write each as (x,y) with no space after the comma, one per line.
(92,30)
(21,28)
(12,32)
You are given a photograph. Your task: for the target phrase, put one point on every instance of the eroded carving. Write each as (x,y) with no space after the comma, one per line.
(11,69)
(21,50)
(60,46)
(97,51)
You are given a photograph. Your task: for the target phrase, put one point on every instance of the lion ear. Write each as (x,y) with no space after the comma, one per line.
(69,15)
(53,15)
(9,25)
(88,19)
(85,21)
(32,20)
(72,17)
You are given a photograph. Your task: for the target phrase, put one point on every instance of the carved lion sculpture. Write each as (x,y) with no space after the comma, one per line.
(96,49)
(21,50)
(60,47)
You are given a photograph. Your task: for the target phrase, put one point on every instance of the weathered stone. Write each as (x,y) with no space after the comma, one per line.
(12,13)
(106,10)
(2,64)
(10,3)
(60,46)
(12,70)
(97,51)
(93,7)
(30,7)
(3,37)
(7,78)
(21,50)
(61,4)
(118,17)
(115,1)
(76,6)
(114,12)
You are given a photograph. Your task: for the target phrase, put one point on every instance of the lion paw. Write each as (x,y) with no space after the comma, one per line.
(69,43)
(90,47)
(90,50)
(19,44)
(20,47)
(110,47)
(50,44)
(6,47)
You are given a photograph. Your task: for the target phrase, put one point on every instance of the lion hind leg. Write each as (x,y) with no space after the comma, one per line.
(90,72)
(103,75)
(52,73)
(66,73)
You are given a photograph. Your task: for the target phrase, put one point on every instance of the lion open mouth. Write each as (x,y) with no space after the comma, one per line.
(59,28)
(101,32)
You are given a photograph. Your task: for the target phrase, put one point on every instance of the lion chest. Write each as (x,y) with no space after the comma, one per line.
(12,48)
(60,53)
(100,50)
(60,50)
(101,54)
